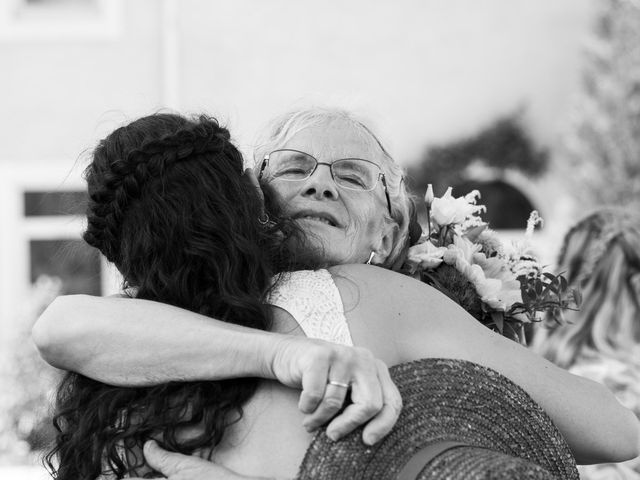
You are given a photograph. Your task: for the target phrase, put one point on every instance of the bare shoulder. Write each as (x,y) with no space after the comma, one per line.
(374,279)
(385,290)
(400,318)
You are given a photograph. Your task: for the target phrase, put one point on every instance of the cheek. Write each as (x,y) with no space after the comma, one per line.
(282,192)
(366,219)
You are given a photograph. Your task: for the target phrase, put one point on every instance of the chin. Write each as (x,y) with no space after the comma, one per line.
(319,252)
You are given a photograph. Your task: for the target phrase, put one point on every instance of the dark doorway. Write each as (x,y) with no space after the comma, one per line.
(507,207)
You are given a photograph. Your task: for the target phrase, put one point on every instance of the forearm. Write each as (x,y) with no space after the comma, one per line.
(596,426)
(130,342)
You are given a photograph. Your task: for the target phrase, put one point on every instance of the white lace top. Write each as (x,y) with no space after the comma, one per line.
(313,300)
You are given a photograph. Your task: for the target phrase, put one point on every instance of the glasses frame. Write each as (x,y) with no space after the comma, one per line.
(381,177)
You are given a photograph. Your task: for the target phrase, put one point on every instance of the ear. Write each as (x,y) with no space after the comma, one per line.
(251,175)
(385,243)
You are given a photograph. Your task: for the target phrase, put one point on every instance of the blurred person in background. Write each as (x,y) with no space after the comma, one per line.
(601,256)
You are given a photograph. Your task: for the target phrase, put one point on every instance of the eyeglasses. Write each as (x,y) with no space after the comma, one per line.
(350,173)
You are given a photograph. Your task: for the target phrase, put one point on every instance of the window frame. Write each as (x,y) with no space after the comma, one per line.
(17,177)
(107,25)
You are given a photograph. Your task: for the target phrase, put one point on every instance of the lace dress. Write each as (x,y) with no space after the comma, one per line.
(320,315)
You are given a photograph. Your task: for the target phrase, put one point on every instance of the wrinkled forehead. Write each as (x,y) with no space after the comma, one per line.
(337,139)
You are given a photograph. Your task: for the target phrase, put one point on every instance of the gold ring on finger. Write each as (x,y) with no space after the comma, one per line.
(338,384)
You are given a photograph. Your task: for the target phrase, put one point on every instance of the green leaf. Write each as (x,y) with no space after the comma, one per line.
(498,320)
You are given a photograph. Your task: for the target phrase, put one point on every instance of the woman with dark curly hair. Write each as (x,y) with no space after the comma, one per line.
(171,208)
(160,210)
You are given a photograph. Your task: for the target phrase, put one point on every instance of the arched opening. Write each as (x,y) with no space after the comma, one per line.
(507,207)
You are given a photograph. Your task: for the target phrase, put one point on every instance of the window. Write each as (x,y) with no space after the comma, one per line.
(53,221)
(42,207)
(60,19)
(54,203)
(72,261)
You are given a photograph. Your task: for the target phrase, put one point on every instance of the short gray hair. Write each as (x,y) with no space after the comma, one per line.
(281,129)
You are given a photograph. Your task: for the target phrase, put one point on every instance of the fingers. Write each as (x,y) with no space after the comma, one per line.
(374,396)
(384,421)
(159,459)
(314,382)
(332,402)
(366,398)
(334,395)
(311,364)
(376,400)
(176,466)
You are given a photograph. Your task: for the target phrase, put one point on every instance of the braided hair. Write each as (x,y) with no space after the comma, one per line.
(169,206)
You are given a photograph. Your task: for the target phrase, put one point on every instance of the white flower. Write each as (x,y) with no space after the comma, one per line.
(428,197)
(502,296)
(494,267)
(466,247)
(448,210)
(451,256)
(425,255)
(534,220)
(460,254)
(494,282)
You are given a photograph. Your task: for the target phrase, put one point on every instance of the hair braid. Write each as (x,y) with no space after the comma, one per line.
(170,207)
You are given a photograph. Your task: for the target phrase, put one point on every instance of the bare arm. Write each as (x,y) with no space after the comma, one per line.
(417,321)
(132,342)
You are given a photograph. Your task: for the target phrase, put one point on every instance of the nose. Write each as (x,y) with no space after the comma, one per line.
(320,184)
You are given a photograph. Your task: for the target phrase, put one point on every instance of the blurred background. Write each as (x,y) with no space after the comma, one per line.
(534,103)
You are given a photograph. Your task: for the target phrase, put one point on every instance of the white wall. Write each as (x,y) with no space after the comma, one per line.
(423,70)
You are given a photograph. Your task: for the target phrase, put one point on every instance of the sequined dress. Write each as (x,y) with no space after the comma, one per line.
(492,426)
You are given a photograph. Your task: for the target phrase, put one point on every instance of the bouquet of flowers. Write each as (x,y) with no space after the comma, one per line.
(503,286)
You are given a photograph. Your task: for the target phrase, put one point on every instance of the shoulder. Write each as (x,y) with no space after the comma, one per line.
(400,318)
(374,279)
(390,291)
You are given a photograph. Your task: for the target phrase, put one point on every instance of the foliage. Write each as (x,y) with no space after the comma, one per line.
(504,144)
(27,383)
(502,286)
(601,151)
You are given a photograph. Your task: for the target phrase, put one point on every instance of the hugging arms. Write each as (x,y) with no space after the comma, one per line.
(345,220)
(414,322)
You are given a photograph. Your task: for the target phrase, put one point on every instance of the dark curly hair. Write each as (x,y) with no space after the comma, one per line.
(170,207)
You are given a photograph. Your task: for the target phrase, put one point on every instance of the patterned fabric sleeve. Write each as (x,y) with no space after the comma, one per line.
(313,300)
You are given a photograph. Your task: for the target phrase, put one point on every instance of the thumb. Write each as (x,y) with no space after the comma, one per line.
(167,463)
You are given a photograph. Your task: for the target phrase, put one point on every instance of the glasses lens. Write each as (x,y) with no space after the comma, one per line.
(290,165)
(355,174)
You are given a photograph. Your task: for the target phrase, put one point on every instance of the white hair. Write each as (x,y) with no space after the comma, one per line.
(280,130)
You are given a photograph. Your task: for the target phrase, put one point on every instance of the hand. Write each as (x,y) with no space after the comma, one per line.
(311,364)
(175,466)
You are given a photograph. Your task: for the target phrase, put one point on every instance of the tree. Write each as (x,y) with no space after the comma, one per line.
(602,147)
(28,383)
(505,144)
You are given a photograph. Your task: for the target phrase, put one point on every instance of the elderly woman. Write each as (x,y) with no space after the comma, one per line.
(349,304)
(133,342)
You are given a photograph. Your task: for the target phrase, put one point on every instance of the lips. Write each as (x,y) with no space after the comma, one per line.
(316,216)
